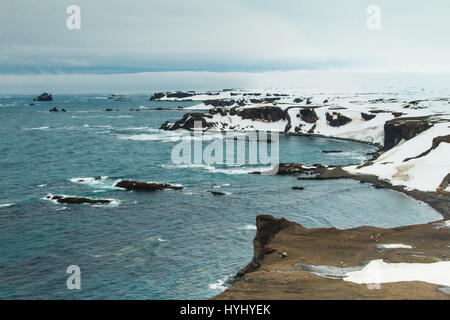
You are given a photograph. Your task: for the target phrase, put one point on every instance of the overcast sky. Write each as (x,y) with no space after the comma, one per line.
(221,36)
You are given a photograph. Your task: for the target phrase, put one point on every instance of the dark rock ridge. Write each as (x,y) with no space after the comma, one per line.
(286,255)
(309,115)
(177,95)
(367,116)
(271,114)
(44,97)
(180,95)
(216,193)
(267,113)
(145,186)
(266,228)
(188,122)
(78,200)
(331,151)
(219,103)
(396,130)
(336,119)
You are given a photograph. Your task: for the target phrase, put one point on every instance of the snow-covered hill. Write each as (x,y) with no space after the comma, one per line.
(411,126)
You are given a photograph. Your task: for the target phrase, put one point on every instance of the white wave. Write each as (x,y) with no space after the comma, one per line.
(191,193)
(219,285)
(171,136)
(38,128)
(119,116)
(113,203)
(41,185)
(102,182)
(4,205)
(139,129)
(248,227)
(237,171)
(162,240)
(89,180)
(213,169)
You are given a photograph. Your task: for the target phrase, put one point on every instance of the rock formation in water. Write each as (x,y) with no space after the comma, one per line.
(145,186)
(44,97)
(78,200)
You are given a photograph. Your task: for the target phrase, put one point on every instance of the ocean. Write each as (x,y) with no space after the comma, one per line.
(173,244)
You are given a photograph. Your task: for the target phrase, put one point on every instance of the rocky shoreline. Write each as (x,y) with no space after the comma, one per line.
(289,260)
(293,262)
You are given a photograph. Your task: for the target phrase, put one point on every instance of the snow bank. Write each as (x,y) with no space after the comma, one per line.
(378,271)
(423,173)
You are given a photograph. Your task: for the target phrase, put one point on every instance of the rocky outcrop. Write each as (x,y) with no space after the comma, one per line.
(54,109)
(270,114)
(78,200)
(399,129)
(219,103)
(308,115)
(44,97)
(177,95)
(367,117)
(294,262)
(297,169)
(158,95)
(145,186)
(188,122)
(266,228)
(336,119)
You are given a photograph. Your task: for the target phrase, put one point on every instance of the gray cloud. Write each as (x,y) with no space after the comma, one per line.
(215,35)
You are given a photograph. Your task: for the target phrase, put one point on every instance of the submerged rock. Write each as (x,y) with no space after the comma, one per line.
(44,97)
(145,186)
(331,151)
(216,193)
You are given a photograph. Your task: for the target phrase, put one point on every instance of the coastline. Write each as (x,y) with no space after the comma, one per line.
(293,262)
(280,245)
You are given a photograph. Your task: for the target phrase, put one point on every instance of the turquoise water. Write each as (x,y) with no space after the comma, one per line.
(161,245)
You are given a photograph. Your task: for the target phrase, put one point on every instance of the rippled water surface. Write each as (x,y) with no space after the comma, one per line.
(160,245)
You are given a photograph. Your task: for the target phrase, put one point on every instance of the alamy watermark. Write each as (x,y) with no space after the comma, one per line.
(73,21)
(229,151)
(374,19)
(74,280)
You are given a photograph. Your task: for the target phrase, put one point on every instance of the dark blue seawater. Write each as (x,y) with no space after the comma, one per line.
(160,245)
